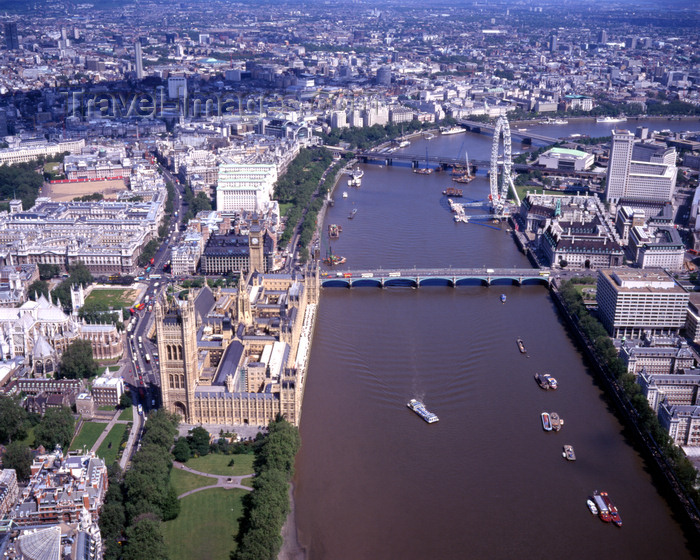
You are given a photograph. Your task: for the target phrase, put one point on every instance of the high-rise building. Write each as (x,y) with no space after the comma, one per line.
(602,36)
(11,36)
(177,87)
(639,171)
(553,43)
(139,60)
(634,302)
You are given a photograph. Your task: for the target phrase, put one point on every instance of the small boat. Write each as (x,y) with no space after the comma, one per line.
(521,346)
(546,422)
(334,231)
(550,381)
(464,179)
(451,191)
(404,144)
(541,381)
(568,453)
(352,214)
(423,171)
(429,136)
(345,194)
(503,298)
(591,506)
(556,421)
(419,408)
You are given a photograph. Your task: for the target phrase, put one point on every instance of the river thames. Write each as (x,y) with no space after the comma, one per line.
(375,481)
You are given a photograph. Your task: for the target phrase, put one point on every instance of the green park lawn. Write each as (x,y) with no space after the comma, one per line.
(215,463)
(247,482)
(184,481)
(116,298)
(88,435)
(109,455)
(206,526)
(127,414)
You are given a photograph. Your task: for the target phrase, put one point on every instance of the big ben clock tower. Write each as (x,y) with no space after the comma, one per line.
(256,247)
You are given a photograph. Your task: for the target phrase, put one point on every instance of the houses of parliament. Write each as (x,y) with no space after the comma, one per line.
(237,355)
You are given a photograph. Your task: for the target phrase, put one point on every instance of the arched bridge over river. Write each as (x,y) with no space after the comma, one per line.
(417,277)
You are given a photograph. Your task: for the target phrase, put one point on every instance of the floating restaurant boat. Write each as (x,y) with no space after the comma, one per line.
(355,179)
(550,381)
(610,119)
(503,298)
(557,422)
(352,214)
(546,422)
(568,453)
(451,130)
(419,408)
(591,506)
(521,346)
(451,191)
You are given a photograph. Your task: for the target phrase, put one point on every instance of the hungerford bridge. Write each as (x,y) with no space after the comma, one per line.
(499,189)
(417,277)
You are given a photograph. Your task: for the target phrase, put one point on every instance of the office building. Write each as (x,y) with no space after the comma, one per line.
(682,423)
(177,87)
(643,172)
(634,303)
(677,389)
(11,36)
(138,53)
(245,187)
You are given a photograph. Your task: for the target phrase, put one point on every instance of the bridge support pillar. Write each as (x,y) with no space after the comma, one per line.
(414,164)
(454,281)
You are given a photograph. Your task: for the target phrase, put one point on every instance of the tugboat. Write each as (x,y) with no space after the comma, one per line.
(541,381)
(568,453)
(419,408)
(557,422)
(612,510)
(546,422)
(352,214)
(521,346)
(503,298)
(550,381)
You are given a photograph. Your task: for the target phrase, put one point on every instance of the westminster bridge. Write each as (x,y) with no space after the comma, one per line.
(417,277)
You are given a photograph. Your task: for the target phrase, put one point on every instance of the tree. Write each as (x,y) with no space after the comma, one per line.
(199,441)
(47,271)
(181,451)
(80,274)
(19,457)
(125,400)
(77,361)
(12,420)
(37,288)
(145,541)
(56,428)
